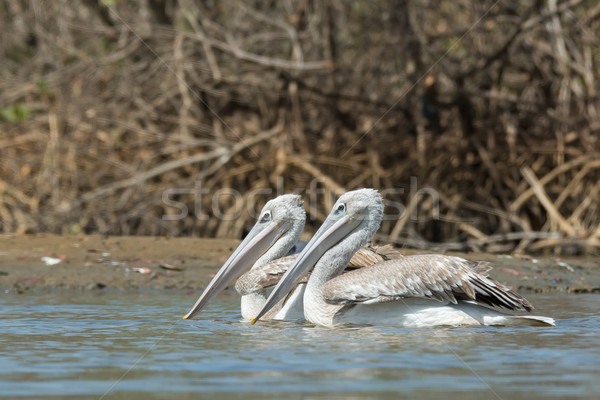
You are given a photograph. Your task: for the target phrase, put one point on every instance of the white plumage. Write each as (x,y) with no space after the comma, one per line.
(264,251)
(413,291)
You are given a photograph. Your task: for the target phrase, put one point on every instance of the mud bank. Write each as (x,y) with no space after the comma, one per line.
(45,263)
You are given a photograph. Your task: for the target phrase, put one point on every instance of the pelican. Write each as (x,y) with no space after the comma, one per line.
(255,283)
(280,225)
(275,233)
(412,291)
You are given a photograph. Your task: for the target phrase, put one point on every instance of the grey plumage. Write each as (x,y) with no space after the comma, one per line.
(267,275)
(438,277)
(413,291)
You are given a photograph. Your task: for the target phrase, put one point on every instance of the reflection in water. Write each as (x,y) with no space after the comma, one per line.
(81,345)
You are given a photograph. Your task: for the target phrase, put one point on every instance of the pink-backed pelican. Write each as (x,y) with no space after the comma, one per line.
(264,248)
(279,226)
(412,291)
(256,283)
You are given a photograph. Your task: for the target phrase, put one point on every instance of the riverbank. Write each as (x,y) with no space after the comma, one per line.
(46,263)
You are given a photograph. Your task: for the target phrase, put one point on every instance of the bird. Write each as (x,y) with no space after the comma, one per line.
(260,279)
(412,291)
(273,236)
(279,226)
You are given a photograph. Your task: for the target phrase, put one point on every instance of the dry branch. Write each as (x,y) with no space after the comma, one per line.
(222,153)
(553,213)
(97,125)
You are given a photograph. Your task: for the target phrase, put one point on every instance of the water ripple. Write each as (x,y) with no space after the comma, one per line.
(80,345)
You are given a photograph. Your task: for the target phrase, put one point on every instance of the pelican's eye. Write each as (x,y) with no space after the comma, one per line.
(340,208)
(266,217)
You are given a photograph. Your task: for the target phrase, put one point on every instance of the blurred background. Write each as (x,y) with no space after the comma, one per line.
(478,120)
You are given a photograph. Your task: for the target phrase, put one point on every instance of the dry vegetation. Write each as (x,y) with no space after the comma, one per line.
(111,111)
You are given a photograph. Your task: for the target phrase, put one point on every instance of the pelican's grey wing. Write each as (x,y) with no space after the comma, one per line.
(370,255)
(263,276)
(269,274)
(438,277)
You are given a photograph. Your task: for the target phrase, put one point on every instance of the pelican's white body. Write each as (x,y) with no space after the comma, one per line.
(414,291)
(291,310)
(413,313)
(409,312)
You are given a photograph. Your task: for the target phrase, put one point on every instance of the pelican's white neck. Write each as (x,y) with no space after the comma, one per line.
(330,265)
(333,262)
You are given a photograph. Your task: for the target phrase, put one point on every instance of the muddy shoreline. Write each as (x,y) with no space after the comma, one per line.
(98,263)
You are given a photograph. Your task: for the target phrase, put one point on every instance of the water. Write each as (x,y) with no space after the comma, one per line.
(137,347)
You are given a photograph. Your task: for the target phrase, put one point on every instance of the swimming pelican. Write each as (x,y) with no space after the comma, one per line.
(262,277)
(412,291)
(276,232)
(279,227)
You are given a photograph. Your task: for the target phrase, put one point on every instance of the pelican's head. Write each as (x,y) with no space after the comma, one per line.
(364,206)
(286,210)
(280,224)
(354,219)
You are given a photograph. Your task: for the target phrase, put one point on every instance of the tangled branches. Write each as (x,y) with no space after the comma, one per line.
(478,119)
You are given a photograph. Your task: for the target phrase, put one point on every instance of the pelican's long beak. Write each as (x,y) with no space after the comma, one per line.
(328,235)
(258,241)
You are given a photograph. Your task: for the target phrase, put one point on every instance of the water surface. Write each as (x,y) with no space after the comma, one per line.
(137,347)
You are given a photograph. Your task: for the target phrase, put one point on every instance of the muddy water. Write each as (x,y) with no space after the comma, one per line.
(137,347)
